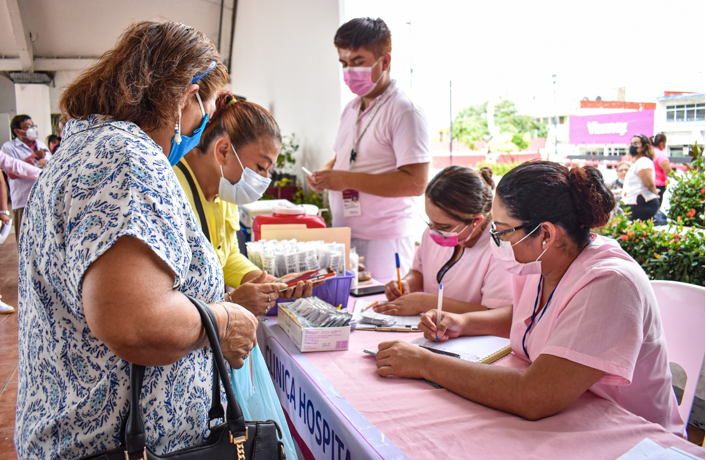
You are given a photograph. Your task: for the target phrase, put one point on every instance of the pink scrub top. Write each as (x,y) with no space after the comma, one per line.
(474,278)
(397,136)
(603,315)
(660,176)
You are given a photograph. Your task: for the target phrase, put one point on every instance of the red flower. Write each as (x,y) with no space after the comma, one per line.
(691,213)
(624,237)
(703,190)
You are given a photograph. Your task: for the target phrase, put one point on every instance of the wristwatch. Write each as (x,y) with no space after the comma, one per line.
(5,211)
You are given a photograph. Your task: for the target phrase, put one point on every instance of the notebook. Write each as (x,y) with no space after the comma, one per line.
(484,349)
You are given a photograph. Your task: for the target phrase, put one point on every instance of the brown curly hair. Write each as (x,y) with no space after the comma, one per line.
(144,77)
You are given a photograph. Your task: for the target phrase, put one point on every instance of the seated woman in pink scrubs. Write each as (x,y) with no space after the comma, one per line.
(584,314)
(454,250)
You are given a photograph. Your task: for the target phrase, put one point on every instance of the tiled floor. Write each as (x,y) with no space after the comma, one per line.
(8,348)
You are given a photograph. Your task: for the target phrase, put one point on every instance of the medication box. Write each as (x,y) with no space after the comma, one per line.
(312,338)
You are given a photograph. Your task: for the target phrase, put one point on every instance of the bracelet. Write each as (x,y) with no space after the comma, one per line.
(230,297)
(227,321)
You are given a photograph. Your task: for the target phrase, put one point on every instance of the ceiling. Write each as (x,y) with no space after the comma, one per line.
(50,35)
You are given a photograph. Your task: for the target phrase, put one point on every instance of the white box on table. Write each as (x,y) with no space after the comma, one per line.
(312,338)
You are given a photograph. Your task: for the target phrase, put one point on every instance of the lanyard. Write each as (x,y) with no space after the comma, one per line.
(534,312)
(354,152)
(447,266)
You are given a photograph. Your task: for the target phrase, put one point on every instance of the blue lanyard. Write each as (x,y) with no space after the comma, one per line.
(534,312)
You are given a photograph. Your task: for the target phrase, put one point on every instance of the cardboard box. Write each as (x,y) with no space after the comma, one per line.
(312,338)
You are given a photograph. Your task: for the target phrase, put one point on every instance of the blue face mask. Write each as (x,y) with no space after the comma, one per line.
(182,144)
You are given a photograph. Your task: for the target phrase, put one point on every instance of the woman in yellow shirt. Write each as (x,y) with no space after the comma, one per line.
(231,166)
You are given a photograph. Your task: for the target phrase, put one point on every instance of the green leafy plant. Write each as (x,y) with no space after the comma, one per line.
(286,159)
(676,254)
(687,201)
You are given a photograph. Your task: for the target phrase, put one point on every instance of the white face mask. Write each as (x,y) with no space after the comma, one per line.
(505,256)
(248,189)
(32,133)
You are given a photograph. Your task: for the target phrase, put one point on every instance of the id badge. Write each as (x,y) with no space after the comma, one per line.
(351,203)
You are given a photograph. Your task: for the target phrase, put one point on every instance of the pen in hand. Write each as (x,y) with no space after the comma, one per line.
(438,310)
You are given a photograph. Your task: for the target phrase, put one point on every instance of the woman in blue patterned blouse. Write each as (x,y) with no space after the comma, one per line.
(109,248)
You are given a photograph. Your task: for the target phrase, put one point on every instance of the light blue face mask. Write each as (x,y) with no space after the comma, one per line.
(248,189)
(182,144)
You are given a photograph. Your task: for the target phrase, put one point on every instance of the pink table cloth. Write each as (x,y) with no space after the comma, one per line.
(428,423)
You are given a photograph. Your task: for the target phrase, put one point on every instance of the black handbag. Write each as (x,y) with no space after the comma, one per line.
(233,439)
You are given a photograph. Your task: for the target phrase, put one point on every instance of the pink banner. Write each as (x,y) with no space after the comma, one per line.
(615,128)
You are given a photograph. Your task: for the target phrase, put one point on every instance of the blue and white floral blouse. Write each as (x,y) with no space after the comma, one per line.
(108,179)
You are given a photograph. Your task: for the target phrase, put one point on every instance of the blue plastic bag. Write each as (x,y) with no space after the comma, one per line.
(258,398)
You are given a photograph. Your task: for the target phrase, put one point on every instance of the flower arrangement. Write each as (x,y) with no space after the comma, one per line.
(676,254)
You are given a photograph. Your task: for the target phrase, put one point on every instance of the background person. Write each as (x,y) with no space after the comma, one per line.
(661,162)
(584,315)
(640,195)
(53,142)
(616,187)
(454,250)
(25,146)
(231,166)
(382,153)
(110,247)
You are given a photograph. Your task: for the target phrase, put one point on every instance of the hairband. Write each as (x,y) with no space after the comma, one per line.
(199,77)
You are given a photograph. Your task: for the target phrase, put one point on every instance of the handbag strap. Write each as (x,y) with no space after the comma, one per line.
(197,199)
(135,439)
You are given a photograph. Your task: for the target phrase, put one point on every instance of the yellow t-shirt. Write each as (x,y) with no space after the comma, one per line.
(222,218)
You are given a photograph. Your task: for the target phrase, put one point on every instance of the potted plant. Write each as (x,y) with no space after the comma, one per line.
(284,181)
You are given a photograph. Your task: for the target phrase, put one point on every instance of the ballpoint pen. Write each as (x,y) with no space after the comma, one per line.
(438,310)
(399,277)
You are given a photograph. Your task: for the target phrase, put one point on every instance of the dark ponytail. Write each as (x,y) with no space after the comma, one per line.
(462,192)
(543,191)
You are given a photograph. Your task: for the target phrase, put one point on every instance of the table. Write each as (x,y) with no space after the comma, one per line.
(340,409)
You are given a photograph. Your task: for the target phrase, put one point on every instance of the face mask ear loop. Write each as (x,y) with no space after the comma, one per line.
(198,98)
(222,174)
(237,158)
(540,256)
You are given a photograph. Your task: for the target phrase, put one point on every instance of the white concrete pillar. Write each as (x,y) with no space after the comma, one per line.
(33,100)
(284,59)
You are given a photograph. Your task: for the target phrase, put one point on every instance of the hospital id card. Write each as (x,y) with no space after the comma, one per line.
(351,203)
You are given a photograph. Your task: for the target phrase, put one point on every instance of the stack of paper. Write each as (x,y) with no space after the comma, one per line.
(650,450)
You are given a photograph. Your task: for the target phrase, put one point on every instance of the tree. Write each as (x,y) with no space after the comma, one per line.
(471,124)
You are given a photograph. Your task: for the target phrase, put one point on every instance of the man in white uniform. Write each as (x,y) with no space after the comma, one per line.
(382,153)
(24,146)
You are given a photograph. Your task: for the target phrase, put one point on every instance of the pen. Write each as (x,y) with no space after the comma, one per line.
(399,278)
(438,310)
(309,173)
(371,305)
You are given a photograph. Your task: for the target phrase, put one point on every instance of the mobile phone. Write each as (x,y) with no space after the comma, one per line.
(368,290)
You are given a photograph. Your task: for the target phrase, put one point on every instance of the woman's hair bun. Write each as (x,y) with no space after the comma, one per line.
(487,174)
(592,200)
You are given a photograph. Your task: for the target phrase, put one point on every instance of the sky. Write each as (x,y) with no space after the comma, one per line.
(511,48)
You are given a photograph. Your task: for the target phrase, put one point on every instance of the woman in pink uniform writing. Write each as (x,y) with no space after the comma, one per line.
(454,250)
(584,314)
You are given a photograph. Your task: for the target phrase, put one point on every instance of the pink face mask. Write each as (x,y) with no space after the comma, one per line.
(359,79)
(449,239)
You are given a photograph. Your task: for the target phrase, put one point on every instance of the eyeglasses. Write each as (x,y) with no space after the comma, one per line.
(495,234)
(622,170)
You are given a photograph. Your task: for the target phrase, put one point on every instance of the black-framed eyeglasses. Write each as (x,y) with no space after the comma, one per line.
(495,234)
